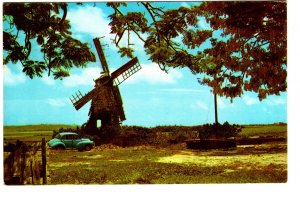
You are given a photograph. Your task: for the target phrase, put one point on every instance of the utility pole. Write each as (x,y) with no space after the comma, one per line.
(215,101)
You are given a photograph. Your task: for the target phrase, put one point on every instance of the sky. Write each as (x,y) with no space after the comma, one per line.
(151,97)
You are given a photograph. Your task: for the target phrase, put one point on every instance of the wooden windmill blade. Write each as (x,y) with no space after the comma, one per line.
(125,71)
(120,75)
(80,100)
(101,55)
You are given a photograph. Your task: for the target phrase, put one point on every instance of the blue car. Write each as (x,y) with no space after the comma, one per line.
(70,140)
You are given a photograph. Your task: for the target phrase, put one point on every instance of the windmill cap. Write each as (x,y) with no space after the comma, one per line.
(103,74)
(102,78)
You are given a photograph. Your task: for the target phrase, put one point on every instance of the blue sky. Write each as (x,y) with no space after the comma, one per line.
(150,97)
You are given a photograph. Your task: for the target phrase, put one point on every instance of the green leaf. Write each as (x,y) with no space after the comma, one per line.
(124,51)
(60,74)
(40,40)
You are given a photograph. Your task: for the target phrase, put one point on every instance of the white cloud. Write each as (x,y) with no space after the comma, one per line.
(185,4)
(155,101)
(48,80)
(89,20)
(266,110)
(189,4)
(57,102)
(271,101)
(224,103)
(200,105)
(276,101)
(12,78)
(250,100)
(78,36)
(221,103)
(182,90)
(151,73)
(86,77)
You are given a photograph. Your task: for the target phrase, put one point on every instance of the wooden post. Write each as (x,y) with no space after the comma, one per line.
(23,150)
(11,163)
(44,161)
(32,174)
(216,109)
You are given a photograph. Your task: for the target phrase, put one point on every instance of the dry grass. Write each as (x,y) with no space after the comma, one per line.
(108,164)
(148,165)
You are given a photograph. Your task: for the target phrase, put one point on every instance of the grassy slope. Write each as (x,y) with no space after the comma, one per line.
(41,127)
(31,132)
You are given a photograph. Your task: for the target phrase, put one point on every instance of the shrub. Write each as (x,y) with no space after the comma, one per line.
(135,135)
(75,130)
(218,131)
(108,133)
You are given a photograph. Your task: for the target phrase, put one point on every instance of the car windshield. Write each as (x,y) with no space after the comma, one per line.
(58,136)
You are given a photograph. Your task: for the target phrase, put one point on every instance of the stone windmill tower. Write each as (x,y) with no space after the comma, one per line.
(107,105)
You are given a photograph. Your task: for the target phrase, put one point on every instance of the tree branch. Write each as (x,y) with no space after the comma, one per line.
(27,44)
(17,35)
(156,8)
(120,37)
(267,42)
(117,10)
(154,20)
(49,67)
(128,36)
(64,8)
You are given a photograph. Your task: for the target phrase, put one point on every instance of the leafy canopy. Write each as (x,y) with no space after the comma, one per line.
(247,42)
(46,25)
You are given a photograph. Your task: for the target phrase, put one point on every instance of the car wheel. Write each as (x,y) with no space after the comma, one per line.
(87,147)
(60,148)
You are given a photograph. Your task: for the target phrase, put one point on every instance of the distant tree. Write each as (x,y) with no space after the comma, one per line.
(248,55)
(46,24)
(219,131)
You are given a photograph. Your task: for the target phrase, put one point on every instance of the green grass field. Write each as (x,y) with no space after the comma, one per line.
(31,132)
(109,164)
(37,132)
(264,130)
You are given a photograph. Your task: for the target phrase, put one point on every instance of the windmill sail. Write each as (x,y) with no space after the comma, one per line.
(106,104)
(80,100)
(125,71)
(101,55)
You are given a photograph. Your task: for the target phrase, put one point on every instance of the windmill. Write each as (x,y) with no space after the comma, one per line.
(107,104)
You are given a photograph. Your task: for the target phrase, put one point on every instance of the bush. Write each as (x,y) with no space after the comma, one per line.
(108,133)
(157,136)
(76,130)
(219,131)
(135,135)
